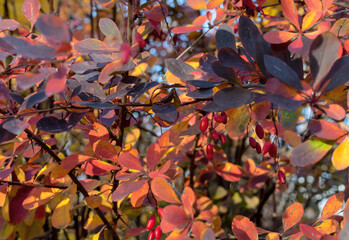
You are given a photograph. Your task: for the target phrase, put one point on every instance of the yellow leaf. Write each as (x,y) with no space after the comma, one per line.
(340,157)
(47,169)
(93,201)
(61,215)
(133,136)
(139,69)
(3,193)
(59,172)
(19,173)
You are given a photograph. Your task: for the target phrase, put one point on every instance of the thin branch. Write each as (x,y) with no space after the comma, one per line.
(36,185)
(73,178)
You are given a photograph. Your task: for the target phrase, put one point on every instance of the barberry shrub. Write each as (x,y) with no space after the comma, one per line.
(191,119)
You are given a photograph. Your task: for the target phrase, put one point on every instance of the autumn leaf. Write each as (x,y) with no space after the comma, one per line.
(292,215)
(340,157)
(164,191)
(61,215)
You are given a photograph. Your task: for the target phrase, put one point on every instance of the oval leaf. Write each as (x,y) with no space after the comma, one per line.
(292,215)
(163,191)
(244,229)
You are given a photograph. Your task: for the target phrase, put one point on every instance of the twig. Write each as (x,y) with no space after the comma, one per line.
(36,185)
(73,178)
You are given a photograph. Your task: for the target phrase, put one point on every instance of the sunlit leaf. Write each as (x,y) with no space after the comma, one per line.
(71,161)
(163,191)
(109,29)
(97,167)
(105,149)
(61,215)
(244,229)
(340,157)
(292,215)
(139,196)
(93,201)
(328,226)
(237,123)
(196,4)
(38,197)
(229,172)
(277,37)
(175,215)
(186,29)
(30,9)
(57,81)
(290,11)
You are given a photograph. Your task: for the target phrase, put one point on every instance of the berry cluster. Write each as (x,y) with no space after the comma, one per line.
(268,147)
(204,122)
(156,233)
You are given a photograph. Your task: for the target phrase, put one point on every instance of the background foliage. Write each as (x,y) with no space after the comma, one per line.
(174,119)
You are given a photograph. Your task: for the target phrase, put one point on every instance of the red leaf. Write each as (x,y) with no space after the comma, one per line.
(97,167)
(31,10)
(57,82)
(244,229)
(186,29)
(54,28)
(310,232)
(126,188)
(291,12)
(129,161)
(125,53)
(326,129)
(157,13)
(16,210)
(334,111)
(292,215)
(75,159)
(153,155)
(133,232)
(9,24)
(106,73)
(175,215)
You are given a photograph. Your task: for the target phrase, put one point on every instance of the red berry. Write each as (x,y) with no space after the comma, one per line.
(151,222)
(218,118)
(225,117)
(281,177)
(140,40)
(125,53)
(157,232)
(260,131)
(209,151)
(266,148)
(222,138)
(203,124)
(253,142)
(160,212)
(151,235)
(258,148)
(273,150)
(236,28)
(214,135)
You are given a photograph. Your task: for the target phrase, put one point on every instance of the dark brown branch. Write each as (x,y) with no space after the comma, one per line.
(73,178)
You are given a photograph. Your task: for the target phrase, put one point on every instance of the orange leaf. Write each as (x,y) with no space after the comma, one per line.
(244,229)
(310,232)
(229,172)
(237,122)
(333,205)
(61,215)
(328,226)
(214,4)
(93,201)
(290,12)
(104,149)
(277,37)
(96,167)
(197,4)
(153,155)
(106,73)
(340,157)
(163,191)
(310,19)
(292,215)
(272,236)
(138,196)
